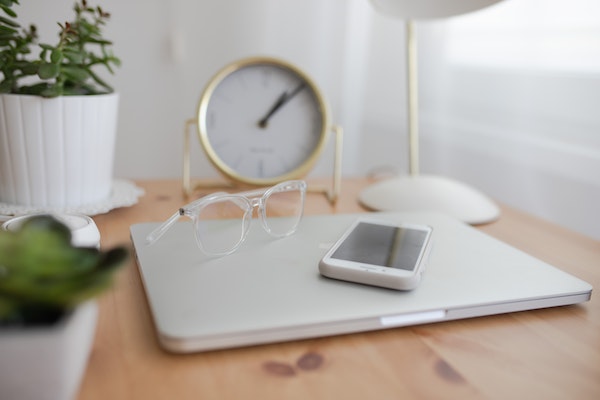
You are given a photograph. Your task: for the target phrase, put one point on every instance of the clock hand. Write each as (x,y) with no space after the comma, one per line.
(281,100)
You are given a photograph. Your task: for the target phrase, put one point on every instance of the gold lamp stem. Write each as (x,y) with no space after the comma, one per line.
(415,192)
(413,99)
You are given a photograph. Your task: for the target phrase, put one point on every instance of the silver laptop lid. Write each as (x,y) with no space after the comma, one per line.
(270,289)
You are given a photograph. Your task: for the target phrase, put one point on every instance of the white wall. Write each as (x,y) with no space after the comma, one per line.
(171,49)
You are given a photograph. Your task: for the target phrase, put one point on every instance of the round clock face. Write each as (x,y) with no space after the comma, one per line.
(262,121)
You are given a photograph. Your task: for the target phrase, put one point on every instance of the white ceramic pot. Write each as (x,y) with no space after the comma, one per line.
(47,362)
(57,152)
(84,232)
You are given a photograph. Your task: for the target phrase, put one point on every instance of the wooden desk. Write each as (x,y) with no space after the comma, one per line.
(544,354)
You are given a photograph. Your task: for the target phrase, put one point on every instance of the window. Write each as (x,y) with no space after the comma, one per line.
(509,103)
(539,35)
(522,69)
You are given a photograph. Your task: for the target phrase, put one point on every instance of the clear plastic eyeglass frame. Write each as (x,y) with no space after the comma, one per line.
(221,220)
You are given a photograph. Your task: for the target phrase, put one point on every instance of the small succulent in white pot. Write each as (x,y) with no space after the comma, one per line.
(47,312)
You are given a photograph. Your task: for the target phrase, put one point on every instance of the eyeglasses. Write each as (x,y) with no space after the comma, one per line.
(222,220)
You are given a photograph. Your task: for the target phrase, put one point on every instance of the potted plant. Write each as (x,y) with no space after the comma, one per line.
(58,114)
(47,312)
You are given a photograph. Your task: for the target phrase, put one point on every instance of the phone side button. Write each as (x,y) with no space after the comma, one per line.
(412,318)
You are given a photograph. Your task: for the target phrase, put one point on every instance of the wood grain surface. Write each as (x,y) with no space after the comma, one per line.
(543,354)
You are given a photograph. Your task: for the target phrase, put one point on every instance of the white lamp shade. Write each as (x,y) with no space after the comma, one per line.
(425,9)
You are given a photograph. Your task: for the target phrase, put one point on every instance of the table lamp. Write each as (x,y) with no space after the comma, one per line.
(416,192)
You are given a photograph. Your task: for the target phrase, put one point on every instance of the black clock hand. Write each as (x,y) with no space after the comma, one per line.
(284,98)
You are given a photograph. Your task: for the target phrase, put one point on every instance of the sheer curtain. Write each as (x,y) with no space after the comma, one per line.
(509,95)
(510,102)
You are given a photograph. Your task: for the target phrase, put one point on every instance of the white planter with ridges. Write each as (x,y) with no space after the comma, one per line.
(57,152)
(47,362)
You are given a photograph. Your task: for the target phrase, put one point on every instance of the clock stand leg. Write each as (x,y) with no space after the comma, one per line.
(333,192)
(188,189)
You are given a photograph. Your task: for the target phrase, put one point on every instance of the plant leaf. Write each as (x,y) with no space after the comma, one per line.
(74,56)
(9,22)
(52,91)
(75,74)
(48,71)
(56,56)
(8,10)
(5,86)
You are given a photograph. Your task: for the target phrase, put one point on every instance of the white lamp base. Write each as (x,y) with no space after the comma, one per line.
(430,193)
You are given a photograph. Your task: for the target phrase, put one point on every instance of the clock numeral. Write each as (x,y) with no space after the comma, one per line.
(266,77)
(211,120)
(236,163)
(261,168)
(317,125)
(261,150)
(223,96)
(285,164)
(242,81)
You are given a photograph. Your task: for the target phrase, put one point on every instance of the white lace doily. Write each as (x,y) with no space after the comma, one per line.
(124,194)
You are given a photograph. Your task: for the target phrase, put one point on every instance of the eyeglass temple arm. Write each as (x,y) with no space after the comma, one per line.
(160,231)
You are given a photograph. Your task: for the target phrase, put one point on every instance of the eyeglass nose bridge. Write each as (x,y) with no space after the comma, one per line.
(245,203)
(249,204)
(257,202)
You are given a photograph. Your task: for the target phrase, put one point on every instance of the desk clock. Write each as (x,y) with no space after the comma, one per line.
(261,121)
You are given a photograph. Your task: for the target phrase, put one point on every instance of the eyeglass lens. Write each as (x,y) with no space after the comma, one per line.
(222,224)
(283,210)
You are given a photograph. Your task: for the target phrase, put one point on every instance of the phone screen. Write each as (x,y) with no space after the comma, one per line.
(388,246)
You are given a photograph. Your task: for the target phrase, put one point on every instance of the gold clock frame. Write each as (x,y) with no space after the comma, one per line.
(237,178)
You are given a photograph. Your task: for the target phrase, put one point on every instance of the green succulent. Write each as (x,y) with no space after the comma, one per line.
(65,68)
(42,275)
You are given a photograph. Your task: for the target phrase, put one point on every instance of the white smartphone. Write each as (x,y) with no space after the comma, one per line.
(375,252)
